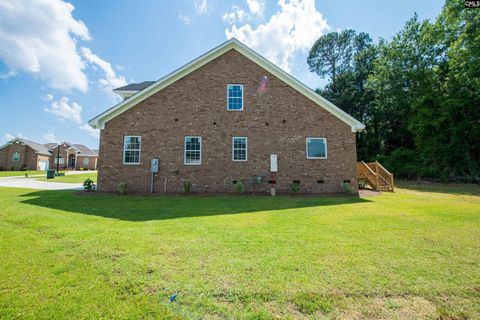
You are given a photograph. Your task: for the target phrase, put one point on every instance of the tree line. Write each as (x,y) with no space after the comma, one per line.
(418,94)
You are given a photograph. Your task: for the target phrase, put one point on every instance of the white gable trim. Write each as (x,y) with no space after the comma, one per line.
(99,121)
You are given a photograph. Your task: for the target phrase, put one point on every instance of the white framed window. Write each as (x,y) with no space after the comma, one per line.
(131,149)
(316,148)
(60,160)
(16,156)
(235,97)
(86,161)
(193,150)
(239,148)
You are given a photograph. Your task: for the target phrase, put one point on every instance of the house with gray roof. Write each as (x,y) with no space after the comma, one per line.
(22,154)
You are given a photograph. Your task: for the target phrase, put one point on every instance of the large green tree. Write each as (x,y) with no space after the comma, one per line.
(346,59)
(418,94)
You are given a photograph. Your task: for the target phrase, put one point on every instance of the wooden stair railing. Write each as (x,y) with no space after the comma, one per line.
(376,176)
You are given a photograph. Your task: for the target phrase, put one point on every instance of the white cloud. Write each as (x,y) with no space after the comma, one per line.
(294,28)
(256,7)
(186,20)
(95,133)
(39,37)
(48,97)
(237,15)
(201,6)
(49,136)
(110,80)
(64,110)
(8,137)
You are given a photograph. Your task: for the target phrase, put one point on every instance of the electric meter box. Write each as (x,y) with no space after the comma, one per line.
(154,165)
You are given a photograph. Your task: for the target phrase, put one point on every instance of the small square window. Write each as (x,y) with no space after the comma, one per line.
(316,148)
(235,97)
(16,156)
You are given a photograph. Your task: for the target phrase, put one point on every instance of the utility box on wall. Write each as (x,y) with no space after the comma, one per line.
(154,165)
(273,163)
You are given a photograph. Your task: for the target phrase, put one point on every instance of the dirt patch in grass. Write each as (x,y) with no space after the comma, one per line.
(366,193)
(404,308)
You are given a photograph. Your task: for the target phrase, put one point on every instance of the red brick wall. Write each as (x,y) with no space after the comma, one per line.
(196,105)
(28,158)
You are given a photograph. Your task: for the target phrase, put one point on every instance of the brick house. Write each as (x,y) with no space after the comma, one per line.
(73,156)
(22,154)
(225,117)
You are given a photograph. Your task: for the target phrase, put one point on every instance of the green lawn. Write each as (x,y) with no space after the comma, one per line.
(414,254)
(72,178)
(20,173)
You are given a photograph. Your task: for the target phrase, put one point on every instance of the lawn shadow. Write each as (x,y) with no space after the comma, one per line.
(435,187)
(146,208)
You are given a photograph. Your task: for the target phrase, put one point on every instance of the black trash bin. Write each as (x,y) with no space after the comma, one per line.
(50,174)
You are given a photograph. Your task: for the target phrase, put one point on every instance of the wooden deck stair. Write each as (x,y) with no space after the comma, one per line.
(376,176)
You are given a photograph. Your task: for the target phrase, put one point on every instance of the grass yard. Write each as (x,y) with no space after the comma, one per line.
(21,173)
(72,178)
(409,255)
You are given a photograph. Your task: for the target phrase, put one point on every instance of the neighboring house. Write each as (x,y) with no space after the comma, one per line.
(225,117)
(22,154)
(73,156)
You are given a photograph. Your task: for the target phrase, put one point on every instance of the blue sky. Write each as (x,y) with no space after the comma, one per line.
(58,66)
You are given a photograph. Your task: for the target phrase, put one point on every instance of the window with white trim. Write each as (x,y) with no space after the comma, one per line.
(239,148)
(131,149)
(235,97)
(193,150)
(16,156)
(86,161)
(316,148)
(60,160)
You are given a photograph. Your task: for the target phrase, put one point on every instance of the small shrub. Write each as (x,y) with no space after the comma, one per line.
(26,174)
(239,187)
(295,186)
(1,168)
(187,187)
(88,185)
(122,188)
(347,188)
(81,169)
(362,184)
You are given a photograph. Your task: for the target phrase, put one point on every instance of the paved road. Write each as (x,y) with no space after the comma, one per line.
(21,182)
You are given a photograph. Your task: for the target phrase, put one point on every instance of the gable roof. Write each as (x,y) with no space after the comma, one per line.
(100,120)
(50,146)
(84,150)
(37,147)
(134,87)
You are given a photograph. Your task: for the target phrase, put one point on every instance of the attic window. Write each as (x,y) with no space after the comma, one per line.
(235,97)
(16,156)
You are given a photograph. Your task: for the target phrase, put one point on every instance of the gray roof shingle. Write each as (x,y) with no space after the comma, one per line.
(37,147)
(135,86)
(84,150)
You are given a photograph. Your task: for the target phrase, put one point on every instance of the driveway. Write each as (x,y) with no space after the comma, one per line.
(21,182)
